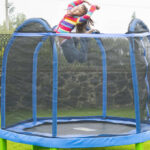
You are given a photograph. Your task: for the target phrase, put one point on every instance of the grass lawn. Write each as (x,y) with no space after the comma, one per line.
(16,146)
(113,112)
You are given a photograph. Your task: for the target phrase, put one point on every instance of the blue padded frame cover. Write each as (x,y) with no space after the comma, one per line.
(75,142)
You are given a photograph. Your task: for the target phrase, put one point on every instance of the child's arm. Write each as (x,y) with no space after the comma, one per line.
(87,16)
(75,3)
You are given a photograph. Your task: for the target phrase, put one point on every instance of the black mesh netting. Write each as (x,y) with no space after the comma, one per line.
(33,27)
(19,78)
(80,79)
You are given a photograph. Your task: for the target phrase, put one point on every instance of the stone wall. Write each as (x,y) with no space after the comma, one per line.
(84,89)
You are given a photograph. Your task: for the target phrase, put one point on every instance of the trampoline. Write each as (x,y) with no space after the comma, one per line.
(52,98)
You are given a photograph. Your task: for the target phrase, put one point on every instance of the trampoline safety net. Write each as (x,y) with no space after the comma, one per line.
(94,80)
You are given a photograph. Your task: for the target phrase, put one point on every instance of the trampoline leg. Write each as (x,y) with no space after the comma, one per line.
(139,146)
(3,144)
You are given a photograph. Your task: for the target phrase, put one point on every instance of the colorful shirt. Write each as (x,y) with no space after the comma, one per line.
(68,23)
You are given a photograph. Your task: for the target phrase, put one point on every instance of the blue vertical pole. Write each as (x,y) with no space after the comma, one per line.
(135,85)
(34,80)
(55,92)
(3,83)
(104,63)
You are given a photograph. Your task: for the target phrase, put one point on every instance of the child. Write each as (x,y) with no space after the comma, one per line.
(77,16)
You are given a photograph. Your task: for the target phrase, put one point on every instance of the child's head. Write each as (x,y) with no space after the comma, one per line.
(79,10)
(81,28)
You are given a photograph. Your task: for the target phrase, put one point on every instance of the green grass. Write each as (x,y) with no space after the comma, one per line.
(123,112)
(118,112)
(19,115)
(17,146)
